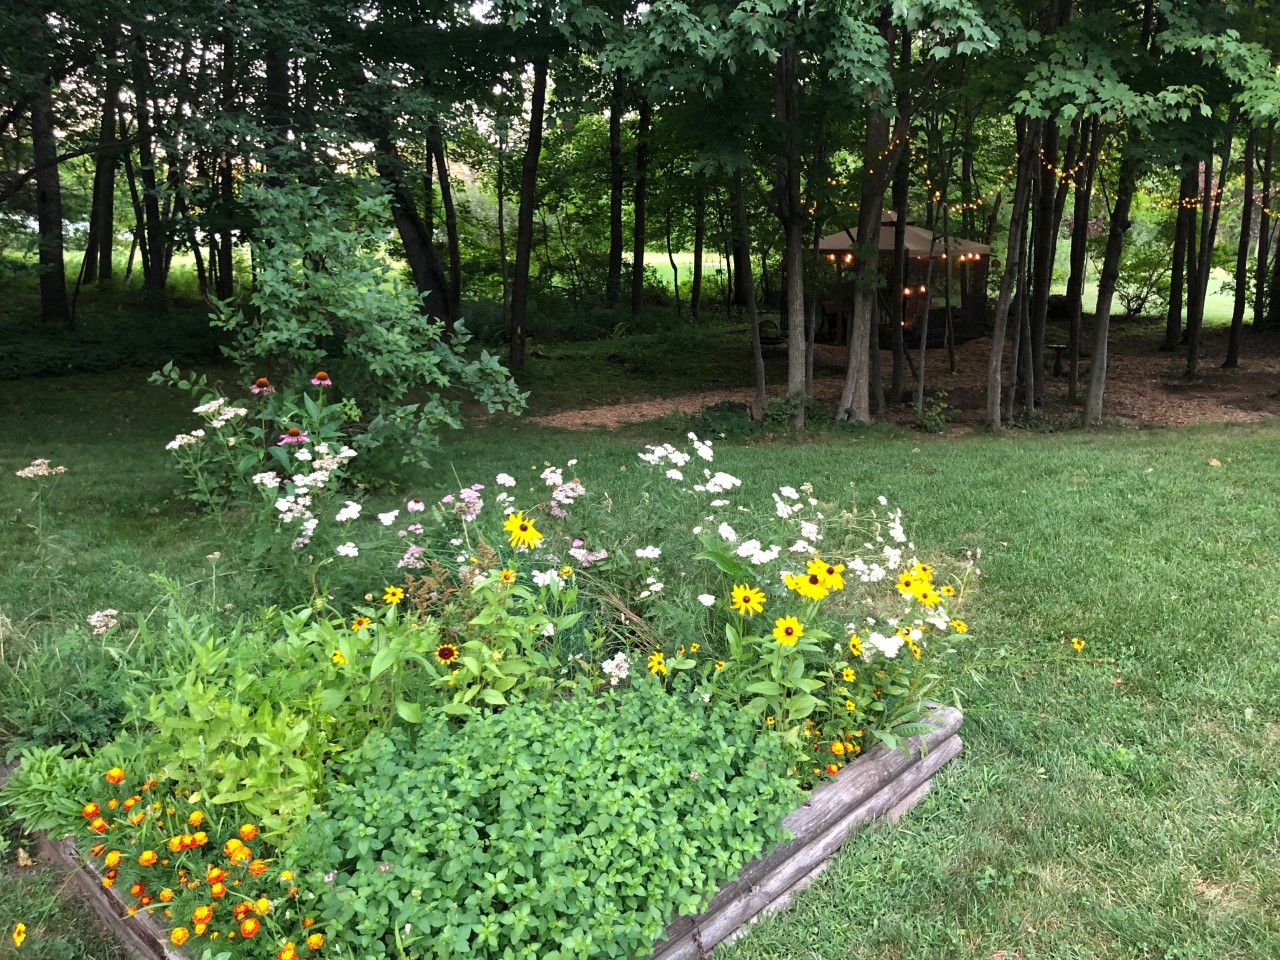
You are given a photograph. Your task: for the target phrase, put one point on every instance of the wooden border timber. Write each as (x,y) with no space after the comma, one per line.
(880,785)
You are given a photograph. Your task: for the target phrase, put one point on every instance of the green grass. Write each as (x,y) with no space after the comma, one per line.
(1118,803)
(58,924)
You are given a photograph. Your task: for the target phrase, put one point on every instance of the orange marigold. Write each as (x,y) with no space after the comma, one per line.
(115,775)
(90,810)
(250,927)
(147,858)
(257,868)
(248,831)
(315,941)
(98,825)
(202,914)
(179,936)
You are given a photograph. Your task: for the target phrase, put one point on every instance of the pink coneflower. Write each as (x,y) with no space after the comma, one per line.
(321,379)
(292,435)
(262,385)
(417,506)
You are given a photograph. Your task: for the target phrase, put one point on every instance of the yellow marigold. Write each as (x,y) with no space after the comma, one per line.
(235,843)
(263,906)
(248,831)
(523,534)
(787,630)
(257,868)
(90,810)
(250,926)
(179,936)
(112,859)
(147,858)
(746,599)
(195,818)
(202,914)
(315,941)
(166,895)
(837,747)
(115,775)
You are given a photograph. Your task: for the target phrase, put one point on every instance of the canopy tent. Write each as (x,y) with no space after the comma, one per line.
(958,275)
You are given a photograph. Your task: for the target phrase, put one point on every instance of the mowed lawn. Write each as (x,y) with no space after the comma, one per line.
(1118,802)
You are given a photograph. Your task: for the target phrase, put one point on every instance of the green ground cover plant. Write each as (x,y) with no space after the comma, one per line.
(1114,801)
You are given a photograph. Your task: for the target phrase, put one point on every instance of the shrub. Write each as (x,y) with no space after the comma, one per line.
(568,829)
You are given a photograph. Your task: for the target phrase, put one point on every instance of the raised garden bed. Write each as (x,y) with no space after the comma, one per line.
(880,785)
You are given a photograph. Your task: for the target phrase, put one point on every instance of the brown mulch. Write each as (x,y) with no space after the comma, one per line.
(1144,386)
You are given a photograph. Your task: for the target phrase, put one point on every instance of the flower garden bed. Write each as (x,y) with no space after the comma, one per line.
(883,784)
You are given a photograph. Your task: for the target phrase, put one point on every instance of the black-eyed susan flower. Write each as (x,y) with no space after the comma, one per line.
(523,534)
(446,653)
(809,586)
(359,623)
(1077,643)
(959,626)
(657,663)
(392,595)
(746,599)
(848,675)
(828,573)
(507,576)
(337,657)
(787,630)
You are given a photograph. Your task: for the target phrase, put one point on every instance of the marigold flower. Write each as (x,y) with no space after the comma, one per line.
(286,875)
(214,874)
(833,768)
(137,888)
(315,941)
(359,623)
(90,810)
(787,630)
(195,818)
(144,901)
(837,747)
(392,595)
(200,928)
(147,858)
(115,775)
(248,831)
(112,803)
(112,859)
(202,914)
(218,889)
(263,906)
(257,868)
(165,895)
(249,927)
(446,653)
(199,838)
(656,664)
(98,825)
(745,599)
(308,922)
(132,802)
(96,849)
(233,844)
(108,882)
(179,936)
(288,952)
(521,530)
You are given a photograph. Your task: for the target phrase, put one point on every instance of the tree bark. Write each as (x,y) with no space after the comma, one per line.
(1027,158)
(1264,233)
(1079,249)
(415,236)
(453,292)
(898,281)
(1043,250)
(54,306)
(699,239)
(791,212)
(524,223)
(1242,254)
(1184,223)
(743,231)
(154,267)
(613,276)
(1107,287)
(1211,207)
(637,202)
(98,256)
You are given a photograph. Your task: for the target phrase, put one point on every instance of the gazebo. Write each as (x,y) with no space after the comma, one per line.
(955,289)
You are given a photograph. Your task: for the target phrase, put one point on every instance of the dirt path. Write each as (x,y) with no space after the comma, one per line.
(1143,387)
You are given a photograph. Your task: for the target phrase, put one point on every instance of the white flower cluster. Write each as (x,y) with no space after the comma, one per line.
(39,468)
(752,552)
(656,454)
(652,586)
(720,482)
(649,553)
(348,549)
(103,620)
(547,578)
(350,511)
(617,667)
(586,557)
(505,480)
(183,439)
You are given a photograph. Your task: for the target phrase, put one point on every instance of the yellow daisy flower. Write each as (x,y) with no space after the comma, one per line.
(787,630)
(521,530)
(746,599)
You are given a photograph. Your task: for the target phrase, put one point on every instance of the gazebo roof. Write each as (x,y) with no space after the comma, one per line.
(919,242)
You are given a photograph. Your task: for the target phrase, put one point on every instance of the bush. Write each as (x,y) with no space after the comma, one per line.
(568,829)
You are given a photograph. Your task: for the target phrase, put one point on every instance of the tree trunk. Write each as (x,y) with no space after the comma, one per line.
(1264,233)
(54,306)
(699,238)
(415,235)
(613,277)
(1107,287)
(502,236)
(1184,223)
(453,292)
(743,230)
(898,281)
(787,174)
(1211,207)
(98,265)
(1027,158)
(1043,250)
(154,267)
(1242,254)
(675,270)
(637,202)
(1079,239)
(524,223)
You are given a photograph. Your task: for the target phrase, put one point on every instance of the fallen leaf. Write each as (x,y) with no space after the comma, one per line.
(1215,462)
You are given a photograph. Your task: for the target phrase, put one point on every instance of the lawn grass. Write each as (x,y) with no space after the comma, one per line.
(1120,802)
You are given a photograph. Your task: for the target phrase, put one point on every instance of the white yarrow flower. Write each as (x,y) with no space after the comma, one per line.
(348,549)
(706,599)
(388,518)
(649,553)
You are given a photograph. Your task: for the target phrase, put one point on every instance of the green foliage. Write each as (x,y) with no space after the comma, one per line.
(936,413)
(325,296)
(43,791)
(568,829)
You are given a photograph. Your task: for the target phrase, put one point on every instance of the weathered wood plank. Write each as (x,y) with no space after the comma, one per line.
(877,785)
